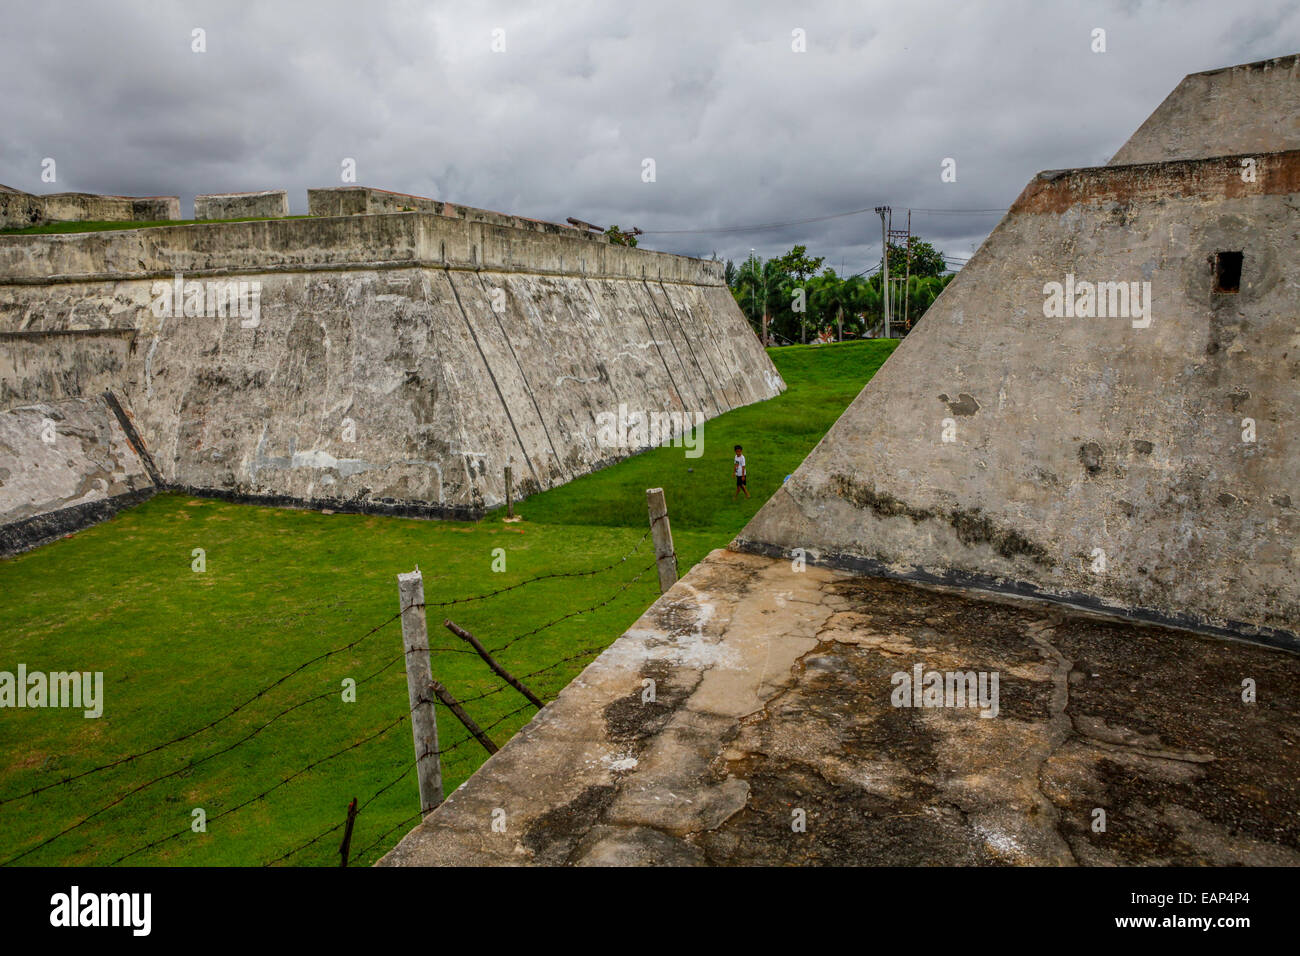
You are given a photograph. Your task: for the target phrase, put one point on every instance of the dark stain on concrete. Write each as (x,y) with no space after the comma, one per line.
(1183,695)
(1187,773)
(1142,447)
(630,719)
(1091,456)
(972,526)
(963,405)
(554,835)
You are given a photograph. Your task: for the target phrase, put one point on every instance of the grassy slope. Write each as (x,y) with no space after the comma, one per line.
(179,649)
(777,436)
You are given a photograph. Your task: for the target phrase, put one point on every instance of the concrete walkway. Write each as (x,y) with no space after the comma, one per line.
(772,707)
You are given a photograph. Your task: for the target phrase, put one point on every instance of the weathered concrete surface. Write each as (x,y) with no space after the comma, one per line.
(773,694)
(363,200)
(1074,437)
(19,210)
(53,366)
(63,465)
(267,202)
(90,207)
(1247,109)
(397,362)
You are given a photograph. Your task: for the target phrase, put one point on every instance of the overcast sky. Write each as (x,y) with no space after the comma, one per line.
(742,129)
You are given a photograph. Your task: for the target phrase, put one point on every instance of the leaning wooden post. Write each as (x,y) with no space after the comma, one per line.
(491,662)
(346,848)
(424,723)
(510,498)
(663,538)
(453,705)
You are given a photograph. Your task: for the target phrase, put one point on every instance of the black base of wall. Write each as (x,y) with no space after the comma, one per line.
(32,532)
(1237,630)
(391,507)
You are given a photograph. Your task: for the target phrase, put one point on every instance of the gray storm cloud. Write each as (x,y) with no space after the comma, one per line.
(743,130)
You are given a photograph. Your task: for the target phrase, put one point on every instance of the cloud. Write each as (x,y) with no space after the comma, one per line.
(742,129)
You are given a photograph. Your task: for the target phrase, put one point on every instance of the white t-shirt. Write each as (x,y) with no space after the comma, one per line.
(740,466)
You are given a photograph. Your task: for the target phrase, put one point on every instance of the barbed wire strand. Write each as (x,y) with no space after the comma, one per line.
(571,614)
(541,577)
(392,783)
(267,792)
(120,761)
(192,764)
(338,826)
(208,726)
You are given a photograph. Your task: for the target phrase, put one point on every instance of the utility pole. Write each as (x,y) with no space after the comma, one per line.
(907,277)
(884,264)
(903,238)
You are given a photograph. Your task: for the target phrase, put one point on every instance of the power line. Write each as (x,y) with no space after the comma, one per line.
(760,227)
(960,212)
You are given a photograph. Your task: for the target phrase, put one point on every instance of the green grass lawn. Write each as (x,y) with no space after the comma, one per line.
(180,649)
(777,435)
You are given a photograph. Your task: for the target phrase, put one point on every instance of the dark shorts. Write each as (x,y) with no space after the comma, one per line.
(740,480)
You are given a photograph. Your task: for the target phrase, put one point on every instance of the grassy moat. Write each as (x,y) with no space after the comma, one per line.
(180,649)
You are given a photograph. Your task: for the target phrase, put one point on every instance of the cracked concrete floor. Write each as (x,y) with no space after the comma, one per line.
(749,718)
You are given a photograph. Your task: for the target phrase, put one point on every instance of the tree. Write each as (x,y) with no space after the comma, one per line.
(799,266)
(926,259)
(747,287)
(854,305)
(622,238)
(831,297)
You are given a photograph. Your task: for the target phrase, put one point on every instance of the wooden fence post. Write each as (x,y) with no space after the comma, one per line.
(491,662)
(510,498)
(424,723)
(453,705)
(663,538)
(346,848)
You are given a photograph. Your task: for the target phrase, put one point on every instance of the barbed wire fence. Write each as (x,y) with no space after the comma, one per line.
(425,694)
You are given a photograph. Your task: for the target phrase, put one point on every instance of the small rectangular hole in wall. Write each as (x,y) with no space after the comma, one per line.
(1227,271)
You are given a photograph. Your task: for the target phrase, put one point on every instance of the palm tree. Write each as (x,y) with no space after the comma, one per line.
(748,288)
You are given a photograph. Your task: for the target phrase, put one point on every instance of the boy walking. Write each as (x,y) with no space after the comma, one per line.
(742,474)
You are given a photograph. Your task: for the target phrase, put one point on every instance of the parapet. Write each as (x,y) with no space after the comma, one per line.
(365,200)
(339,243)
(19,210)
(266,203)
